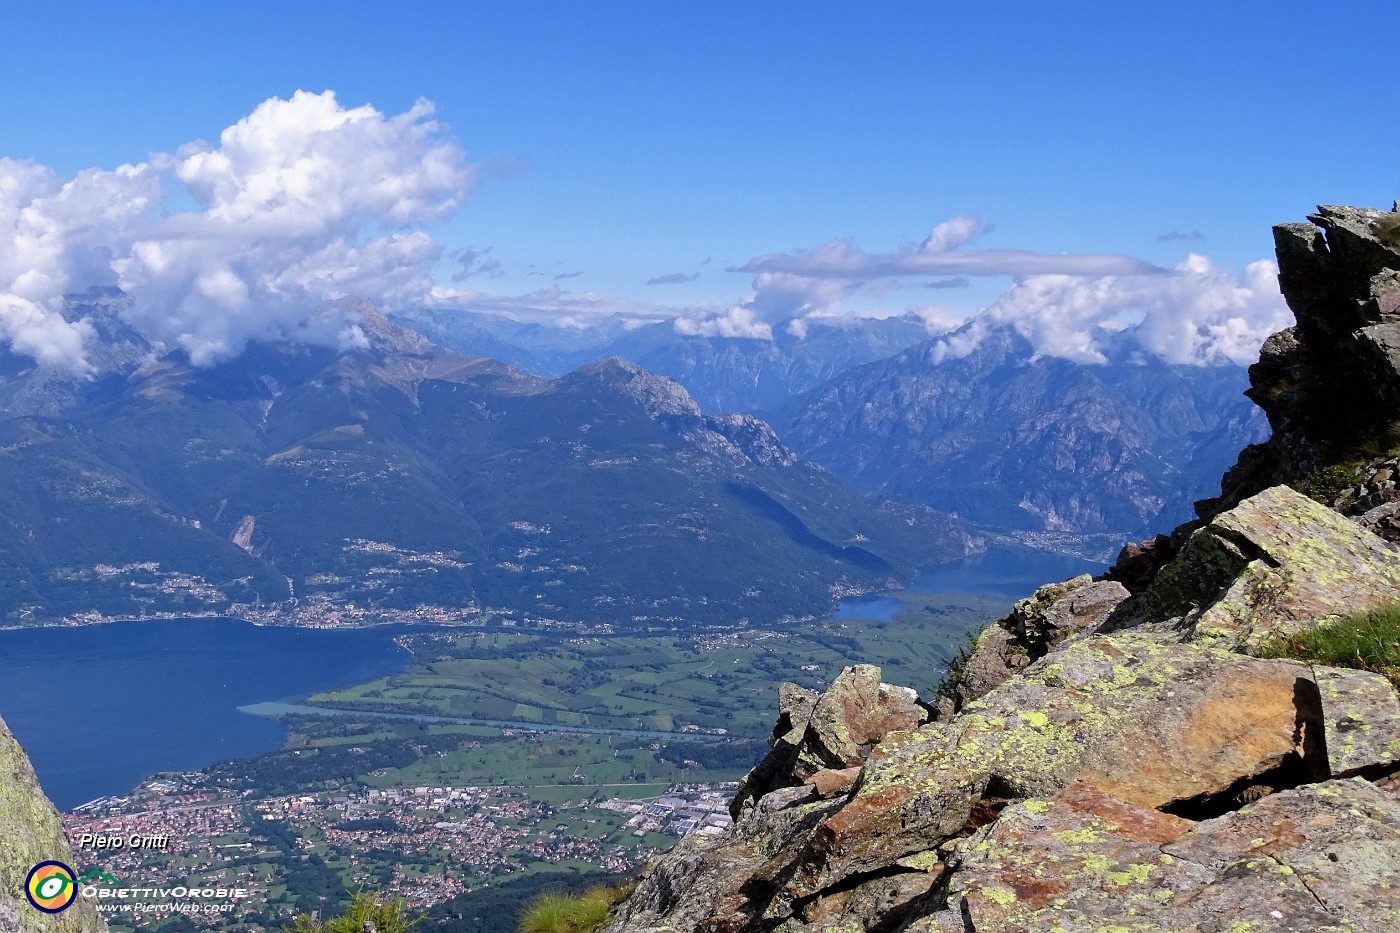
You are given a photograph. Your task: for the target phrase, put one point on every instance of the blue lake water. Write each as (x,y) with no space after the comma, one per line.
(101,707)
(1004,572)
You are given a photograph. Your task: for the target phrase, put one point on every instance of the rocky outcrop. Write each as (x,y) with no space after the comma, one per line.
(821,740)
(1045,618)
(30,833)
(1106,747)
(1330,385)
(1111,755)
(1085,861)
(1276,563)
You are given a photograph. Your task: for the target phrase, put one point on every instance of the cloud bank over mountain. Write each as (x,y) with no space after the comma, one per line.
(1064,304)
(1197,315)
(305,200)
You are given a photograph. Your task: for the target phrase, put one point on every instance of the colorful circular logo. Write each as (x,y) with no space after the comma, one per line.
(51,887)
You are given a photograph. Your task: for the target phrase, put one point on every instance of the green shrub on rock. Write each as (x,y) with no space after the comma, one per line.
(1328,484)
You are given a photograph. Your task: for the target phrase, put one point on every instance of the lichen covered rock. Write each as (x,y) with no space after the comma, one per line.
(1274,564)
(1321,857)
(828,732)
(1118,743)
(1053,613)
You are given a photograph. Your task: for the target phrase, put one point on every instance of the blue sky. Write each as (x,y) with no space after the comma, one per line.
(630,141)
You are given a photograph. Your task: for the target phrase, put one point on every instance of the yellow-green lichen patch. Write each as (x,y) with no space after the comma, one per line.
(922,861)
(1136,873)
(1096,864)
(1000,894)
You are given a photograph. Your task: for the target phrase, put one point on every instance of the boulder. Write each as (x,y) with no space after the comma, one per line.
(995,657)
(1138,562)
(1339,839)
(1382,302)
(829,782)
(1273,565)
(879,901)
(1054,612)
(1321,857)
(795,707)
(1360,719)
(854,714)
(1378,354)
(1155,724)
(829,732)
(710,884)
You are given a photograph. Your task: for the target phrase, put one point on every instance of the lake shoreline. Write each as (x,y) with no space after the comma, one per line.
(313,617)
(195,673)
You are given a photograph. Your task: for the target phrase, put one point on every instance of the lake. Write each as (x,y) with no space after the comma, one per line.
(102,707)
(1003,572)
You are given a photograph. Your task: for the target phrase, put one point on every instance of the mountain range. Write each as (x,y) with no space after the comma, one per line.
(407,469)
(1005,437)
(393,475)
(1009,439)
(722,374)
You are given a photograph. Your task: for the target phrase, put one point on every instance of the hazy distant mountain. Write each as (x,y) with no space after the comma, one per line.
(997,437)
(740,374)
(723,374)
(400,473)
(1007,440)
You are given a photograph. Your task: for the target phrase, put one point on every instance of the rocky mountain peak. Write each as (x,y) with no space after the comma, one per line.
(755,438)
(365,326)
(660,397)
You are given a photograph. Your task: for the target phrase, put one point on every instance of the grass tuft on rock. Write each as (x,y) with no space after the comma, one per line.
(387,915)
(572,913)
(1367,640)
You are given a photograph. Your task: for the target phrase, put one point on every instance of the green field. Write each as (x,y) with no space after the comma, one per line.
(666,682)
(541,788)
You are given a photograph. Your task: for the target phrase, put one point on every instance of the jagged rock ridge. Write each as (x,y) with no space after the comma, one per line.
(1112,757)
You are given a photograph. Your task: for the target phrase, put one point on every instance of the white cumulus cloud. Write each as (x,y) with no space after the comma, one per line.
(1067,305)
(1200,314)
(302,201)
